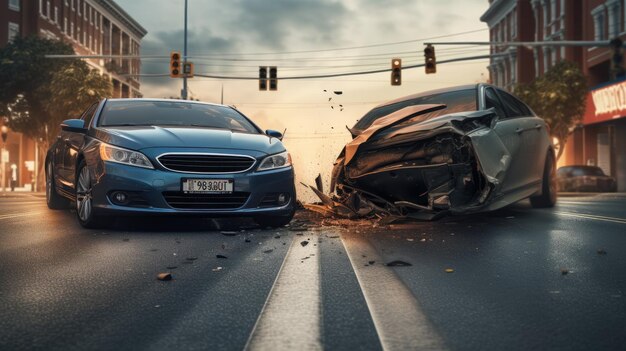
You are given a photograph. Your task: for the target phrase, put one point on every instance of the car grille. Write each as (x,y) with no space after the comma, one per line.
(178,199)
(206,163)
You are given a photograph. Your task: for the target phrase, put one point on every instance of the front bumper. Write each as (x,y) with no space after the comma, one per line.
(151,192)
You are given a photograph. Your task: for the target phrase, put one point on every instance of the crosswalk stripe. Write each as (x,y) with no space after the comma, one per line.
(399,320)
(290,319)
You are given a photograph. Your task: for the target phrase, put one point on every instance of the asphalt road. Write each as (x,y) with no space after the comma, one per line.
(515,279)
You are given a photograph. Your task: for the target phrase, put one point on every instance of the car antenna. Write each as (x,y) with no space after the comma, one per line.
(284,132)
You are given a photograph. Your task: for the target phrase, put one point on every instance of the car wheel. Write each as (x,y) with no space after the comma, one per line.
(53,199)
(87,216)
(548,186)
(274,221)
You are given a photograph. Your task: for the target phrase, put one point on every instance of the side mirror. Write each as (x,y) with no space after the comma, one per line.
(274,134)
(74,126)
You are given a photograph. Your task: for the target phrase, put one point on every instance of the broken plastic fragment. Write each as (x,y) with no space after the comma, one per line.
(164,276)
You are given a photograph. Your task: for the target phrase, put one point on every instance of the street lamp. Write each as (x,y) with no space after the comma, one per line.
(4,131)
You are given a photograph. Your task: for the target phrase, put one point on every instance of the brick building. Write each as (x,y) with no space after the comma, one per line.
(92,27)
(600,139)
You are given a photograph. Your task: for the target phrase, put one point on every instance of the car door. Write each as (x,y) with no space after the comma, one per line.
(531,130)
(73,143)
(506,128)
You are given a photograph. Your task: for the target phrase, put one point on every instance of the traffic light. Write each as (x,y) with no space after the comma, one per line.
(188,69)
(175,65)
(273,78)
(430,63)
(396,71)
(262,78)
(617,66)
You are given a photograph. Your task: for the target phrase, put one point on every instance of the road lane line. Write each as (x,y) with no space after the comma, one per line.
(290,318)
(22,214)
(592,217)
(399,320)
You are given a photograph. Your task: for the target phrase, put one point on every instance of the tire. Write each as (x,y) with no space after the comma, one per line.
(274,221)
(548,185)
(86,214)
(53,199)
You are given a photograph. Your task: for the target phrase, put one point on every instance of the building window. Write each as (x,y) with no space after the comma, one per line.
(96,16)
(513,23)
(56,15)
(14,5)
(552,10)
(72,29)
(65,25)
(73,8)
(614,17)
(41,7)
(513,69)
(14,31)
(84,39)
(78,6)
(48,9)
(85,8)
(553,57)
(599,22)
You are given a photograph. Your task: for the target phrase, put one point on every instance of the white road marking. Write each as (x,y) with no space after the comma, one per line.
(399,320)
(592,217)
(21,214)
(290,319)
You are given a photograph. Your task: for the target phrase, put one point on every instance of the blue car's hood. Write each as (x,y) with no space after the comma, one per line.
(138,138)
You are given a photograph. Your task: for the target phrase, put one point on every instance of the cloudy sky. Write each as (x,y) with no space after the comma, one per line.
(304,38)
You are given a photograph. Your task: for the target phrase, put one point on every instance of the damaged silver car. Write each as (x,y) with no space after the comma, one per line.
(458,150)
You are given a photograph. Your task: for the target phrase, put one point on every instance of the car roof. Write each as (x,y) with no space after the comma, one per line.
(167,100)
(430,92)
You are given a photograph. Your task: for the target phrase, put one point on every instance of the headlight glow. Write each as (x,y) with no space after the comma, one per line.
(275,161)
(128,157)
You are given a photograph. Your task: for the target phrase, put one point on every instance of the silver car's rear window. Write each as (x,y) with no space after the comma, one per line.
(173,113)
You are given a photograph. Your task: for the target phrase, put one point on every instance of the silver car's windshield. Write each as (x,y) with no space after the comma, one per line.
(173,113)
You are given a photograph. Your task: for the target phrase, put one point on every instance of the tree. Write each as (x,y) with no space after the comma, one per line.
(37,93)
(559,98)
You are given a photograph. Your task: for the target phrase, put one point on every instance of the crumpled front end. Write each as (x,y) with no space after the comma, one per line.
(454,164)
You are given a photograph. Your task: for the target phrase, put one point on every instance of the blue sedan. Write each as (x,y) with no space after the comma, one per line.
(151,156)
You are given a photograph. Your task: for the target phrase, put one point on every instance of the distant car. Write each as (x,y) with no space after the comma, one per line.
(457,150)
(584,178)
(149,156)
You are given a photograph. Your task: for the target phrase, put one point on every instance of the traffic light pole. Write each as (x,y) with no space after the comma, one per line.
(184,91)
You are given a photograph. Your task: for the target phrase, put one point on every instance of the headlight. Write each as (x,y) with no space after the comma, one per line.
(275,161)
(128,157)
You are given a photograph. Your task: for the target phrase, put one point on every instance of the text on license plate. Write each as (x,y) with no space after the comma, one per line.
(218,186)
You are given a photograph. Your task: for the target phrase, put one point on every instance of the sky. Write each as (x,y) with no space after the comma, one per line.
(304,38)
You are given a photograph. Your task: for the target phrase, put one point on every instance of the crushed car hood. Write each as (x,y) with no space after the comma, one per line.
(403,166)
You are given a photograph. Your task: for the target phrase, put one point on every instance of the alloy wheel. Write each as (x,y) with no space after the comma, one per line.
(83,195)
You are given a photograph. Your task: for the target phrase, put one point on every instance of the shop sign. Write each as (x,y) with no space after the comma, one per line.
(606,103)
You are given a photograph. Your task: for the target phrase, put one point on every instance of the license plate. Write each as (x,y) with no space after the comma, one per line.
(208,186)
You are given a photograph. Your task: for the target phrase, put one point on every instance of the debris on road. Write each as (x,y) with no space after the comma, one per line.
(268,251)
(371,262)
(125,239)
(220,256)
(398,263)
(449,270)
(191,258)
(217,269)
(229,233)
(601,252)
(304,243)
(171,267)
(164,276)
(564,271)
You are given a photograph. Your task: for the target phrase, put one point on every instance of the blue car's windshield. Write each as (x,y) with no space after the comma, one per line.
(173,113)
